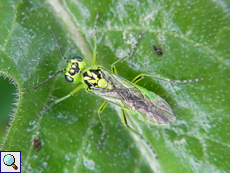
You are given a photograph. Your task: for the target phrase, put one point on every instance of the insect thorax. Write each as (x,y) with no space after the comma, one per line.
(95,79)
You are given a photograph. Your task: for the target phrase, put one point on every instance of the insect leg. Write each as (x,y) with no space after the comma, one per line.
(125,122)
(141,76)
(113,68)
(95,41)
(60,99)
(99,111)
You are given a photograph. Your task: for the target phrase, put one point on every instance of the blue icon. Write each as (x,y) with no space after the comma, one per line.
(9,160)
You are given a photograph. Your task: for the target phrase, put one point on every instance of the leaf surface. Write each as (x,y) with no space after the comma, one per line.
(195,39)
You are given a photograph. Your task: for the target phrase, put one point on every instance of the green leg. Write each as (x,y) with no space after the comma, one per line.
(125,122)
(141,76)
(95,41)
(60,99)
(99,111)
(113,68)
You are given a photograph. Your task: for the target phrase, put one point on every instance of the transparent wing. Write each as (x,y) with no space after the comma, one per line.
(146,105)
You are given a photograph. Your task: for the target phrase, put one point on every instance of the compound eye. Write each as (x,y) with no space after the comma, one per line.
(68,78)
(78,58)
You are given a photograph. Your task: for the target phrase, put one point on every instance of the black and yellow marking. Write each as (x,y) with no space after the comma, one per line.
(74,68)
(92,78)
(95,80)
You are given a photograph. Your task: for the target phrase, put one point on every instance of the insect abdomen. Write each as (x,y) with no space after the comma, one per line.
(153,109)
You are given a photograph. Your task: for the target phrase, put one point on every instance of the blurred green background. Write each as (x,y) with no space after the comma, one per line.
(7,96)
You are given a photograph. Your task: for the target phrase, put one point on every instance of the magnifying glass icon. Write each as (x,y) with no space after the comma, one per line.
(9,160)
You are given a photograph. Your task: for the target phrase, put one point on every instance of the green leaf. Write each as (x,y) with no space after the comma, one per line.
(195,39)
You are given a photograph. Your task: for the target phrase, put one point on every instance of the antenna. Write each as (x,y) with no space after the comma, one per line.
(59,46)
(46,80)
